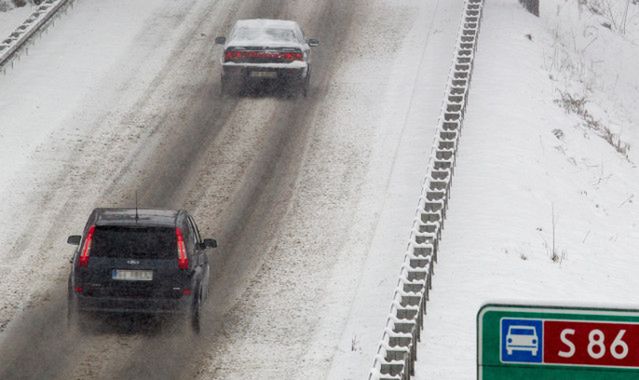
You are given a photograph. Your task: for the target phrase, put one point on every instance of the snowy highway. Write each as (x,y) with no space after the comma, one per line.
(309,198)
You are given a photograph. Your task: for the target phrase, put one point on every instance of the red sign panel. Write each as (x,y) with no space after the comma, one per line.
(591,343)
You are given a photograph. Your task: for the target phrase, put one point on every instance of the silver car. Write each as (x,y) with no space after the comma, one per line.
(266,52)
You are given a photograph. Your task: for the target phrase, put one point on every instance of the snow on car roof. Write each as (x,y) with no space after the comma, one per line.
(265,31)
(266,23)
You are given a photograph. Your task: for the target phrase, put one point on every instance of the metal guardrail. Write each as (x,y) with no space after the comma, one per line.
(397,352)
(38,21)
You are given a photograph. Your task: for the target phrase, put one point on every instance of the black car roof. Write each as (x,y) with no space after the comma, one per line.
(126,217)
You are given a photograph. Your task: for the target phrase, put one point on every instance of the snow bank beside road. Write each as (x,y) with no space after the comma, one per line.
(412,104)
(523,156)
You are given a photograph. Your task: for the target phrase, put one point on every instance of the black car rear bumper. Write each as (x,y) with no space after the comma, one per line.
(135,305)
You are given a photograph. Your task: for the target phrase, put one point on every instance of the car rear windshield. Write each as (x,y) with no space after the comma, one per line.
(265,34)
(134,242)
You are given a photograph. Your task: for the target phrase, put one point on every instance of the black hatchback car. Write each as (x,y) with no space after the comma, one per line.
(139,261)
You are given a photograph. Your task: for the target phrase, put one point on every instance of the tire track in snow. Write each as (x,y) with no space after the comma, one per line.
(98,356)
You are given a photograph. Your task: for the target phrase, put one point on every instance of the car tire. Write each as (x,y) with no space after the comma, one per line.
(228,86)
(295,88)
(72,312)
(72,306)
(77,320)
(196,309)
(224,86)
(307,84)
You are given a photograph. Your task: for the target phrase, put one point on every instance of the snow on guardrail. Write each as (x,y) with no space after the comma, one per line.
(397,352)
(38,20)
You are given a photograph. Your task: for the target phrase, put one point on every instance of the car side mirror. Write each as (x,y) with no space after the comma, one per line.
(313,42)
(220,40)
(74,239)
(210,243)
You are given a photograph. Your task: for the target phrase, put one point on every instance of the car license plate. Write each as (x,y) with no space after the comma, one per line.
(132,275)
(263,74)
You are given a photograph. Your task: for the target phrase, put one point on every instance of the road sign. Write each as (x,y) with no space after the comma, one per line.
(550,342)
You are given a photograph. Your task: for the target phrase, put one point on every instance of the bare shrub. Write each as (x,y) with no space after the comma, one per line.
(616,19)
(559,134)
(594,6)
(577,104)
(572,103)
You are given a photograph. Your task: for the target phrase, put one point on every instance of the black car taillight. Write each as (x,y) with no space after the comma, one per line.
(183,260)
(83,260)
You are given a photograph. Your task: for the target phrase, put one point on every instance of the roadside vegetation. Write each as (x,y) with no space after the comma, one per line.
(596,87)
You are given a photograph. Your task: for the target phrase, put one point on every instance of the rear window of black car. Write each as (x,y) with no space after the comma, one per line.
(134,242)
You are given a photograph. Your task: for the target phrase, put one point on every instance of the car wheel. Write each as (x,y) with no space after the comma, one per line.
(77,320)
(196,309)
(72,306)
(225,86)
(229,86)
(294,88)
(307,84)
(72,311)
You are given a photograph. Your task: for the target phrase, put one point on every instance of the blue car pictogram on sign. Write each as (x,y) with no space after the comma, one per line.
(521,340)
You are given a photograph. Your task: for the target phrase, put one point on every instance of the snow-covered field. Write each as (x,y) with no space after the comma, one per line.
(549,135)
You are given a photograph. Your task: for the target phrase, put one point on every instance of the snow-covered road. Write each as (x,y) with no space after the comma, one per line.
(311,199)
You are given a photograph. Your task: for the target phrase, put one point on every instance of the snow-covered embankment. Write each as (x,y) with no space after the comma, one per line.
(544,206)
(397,352)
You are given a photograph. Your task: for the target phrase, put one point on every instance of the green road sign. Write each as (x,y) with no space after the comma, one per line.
(549,342)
